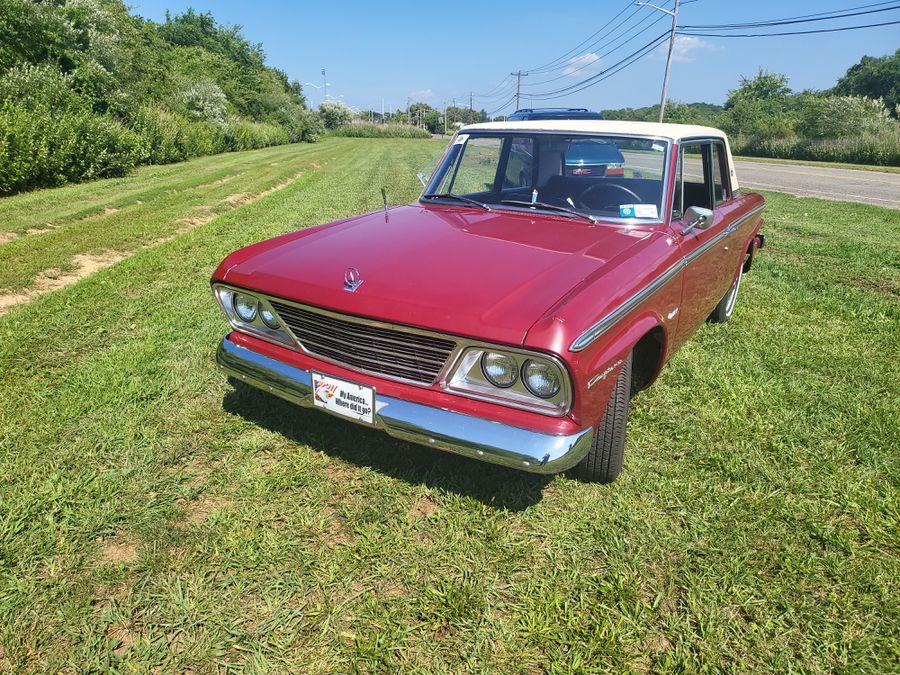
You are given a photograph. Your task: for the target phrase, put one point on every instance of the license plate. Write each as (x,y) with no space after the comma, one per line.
(347,399)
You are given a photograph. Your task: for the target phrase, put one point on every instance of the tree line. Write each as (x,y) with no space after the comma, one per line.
(855,121)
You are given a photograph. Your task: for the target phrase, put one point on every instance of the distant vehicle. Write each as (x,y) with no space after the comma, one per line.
(530,114)
(593,157)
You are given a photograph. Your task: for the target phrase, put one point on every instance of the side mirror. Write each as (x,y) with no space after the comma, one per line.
(422,178)
(697,217)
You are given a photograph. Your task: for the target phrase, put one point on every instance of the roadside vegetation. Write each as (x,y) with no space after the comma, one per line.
(154,518)
(366,130)
(854,122)
(88,90)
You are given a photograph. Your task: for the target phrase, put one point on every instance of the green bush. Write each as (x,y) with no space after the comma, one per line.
(335,114)
(875,149)
(49,134)
(244,135)
(365,130)
(840,116)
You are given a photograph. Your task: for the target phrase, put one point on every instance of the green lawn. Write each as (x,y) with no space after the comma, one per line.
(153,518)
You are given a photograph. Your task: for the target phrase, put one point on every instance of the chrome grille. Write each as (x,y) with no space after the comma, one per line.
(375,349)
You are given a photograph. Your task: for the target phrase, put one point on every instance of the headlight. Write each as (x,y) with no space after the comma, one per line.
(268,317)
(501,370)
(245,306)
(542,379)
(499,375)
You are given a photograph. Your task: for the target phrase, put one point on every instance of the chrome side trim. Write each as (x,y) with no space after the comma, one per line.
(426,425)
(613,317)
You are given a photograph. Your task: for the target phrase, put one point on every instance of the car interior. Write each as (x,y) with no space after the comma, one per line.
(544,163)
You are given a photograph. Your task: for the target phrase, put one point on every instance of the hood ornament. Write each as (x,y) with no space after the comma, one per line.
(352,279)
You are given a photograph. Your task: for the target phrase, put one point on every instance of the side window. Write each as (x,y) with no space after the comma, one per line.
(476,170)
(695,176)
(520,164)
(720,172)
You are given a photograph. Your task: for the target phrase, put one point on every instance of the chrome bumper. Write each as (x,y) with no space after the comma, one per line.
(433,427)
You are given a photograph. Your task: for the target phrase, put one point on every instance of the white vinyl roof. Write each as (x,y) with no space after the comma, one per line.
(674,132)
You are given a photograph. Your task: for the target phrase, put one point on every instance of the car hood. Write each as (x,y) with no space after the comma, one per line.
(486,275)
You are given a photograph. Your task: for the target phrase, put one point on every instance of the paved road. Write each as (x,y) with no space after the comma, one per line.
(850,185)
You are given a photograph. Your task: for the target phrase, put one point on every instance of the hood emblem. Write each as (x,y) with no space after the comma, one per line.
(352,279)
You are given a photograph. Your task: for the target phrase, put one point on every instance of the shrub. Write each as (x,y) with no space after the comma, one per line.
(335,114)
(839,116)
(365,130)
(879,149)
(49,134)
(244,135)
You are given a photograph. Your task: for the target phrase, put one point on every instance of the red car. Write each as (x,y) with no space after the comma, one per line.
(513,311)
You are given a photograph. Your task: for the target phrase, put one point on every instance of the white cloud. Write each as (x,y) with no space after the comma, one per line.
(686,48)
(581,64)
(421,95)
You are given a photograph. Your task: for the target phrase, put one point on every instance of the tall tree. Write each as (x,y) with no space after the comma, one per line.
(874,77)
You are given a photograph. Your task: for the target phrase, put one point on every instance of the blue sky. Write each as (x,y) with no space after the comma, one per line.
(398,49)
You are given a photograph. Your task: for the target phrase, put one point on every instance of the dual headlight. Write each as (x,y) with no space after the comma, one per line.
(503,370)
(523,380)
(252,314)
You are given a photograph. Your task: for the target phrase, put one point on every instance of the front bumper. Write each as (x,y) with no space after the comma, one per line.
(462,434)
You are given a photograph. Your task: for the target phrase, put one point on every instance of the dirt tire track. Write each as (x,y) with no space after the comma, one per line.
(86,264)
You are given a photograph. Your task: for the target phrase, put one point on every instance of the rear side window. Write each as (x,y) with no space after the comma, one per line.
(720,171)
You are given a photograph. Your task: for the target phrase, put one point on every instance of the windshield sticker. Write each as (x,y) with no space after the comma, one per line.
(462,138)
(659,147)
(638,211)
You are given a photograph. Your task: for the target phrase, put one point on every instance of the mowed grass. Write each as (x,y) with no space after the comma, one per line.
(154,518)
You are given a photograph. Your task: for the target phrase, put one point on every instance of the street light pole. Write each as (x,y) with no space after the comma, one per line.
(325,84)
(665,88)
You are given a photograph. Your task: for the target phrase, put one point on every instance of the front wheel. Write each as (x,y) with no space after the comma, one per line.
(725,308)
(603,463)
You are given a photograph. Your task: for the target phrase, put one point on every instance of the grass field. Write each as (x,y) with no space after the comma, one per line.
(153,518)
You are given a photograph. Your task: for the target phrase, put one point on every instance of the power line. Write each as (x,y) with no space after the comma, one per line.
(490,91)
(796,32)
(600,56)
(541,68)
(803,18)
(614,68)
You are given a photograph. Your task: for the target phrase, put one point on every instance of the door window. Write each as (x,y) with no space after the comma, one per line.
(694,177)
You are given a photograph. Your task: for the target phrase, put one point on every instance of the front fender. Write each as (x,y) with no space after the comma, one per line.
(606,357)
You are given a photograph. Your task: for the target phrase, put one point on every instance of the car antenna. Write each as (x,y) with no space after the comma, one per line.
(384,199)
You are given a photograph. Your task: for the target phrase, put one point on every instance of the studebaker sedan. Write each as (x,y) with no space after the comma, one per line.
(513,311)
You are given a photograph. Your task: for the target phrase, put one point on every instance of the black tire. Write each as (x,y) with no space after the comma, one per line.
(725,308)
(604,461)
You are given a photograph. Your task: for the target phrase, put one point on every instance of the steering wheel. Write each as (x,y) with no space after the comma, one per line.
(603,186)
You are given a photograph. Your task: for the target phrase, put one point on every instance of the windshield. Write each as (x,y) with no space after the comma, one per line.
(597,175)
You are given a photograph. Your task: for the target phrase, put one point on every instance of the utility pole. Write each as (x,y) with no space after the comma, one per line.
(665,88)
(408,115)
(325,84)
(519,76)
(470,101)
(382,109)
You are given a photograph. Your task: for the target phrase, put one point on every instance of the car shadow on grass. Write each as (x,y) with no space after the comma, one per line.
(489,484)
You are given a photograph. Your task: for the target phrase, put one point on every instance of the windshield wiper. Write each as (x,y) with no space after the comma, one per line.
(450,195)
(550,207)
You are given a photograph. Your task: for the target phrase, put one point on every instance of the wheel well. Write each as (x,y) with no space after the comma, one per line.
(648,355)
